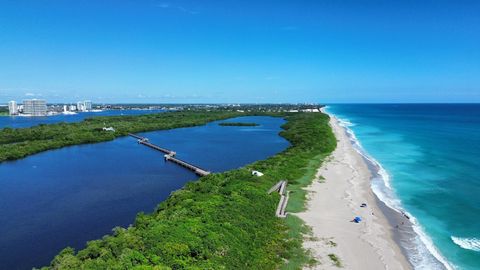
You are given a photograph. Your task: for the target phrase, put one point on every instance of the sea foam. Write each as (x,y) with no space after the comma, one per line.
(467,243)
(425,255)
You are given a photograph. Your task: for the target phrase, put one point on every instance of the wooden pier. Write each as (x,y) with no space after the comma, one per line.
(169,155)
(187,165)
(144,141)
(136,136)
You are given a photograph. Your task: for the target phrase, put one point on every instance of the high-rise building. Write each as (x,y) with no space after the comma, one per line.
(80,106)
(12,107)
(88,105)
(35,107)
(73,108)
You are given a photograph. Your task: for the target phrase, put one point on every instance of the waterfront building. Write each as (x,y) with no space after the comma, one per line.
(73,108)
(12,107)
(80,106)
(35,107)
(87,105)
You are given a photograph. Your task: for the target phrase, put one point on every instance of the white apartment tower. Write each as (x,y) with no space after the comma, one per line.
(88,105)
(35,107)
(12,108)
(84,106)
(80,106)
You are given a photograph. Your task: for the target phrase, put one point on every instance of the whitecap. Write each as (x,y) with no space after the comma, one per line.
(345,123)
(467,243)
(421,257)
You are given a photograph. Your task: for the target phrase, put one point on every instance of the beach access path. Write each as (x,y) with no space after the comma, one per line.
(342,184)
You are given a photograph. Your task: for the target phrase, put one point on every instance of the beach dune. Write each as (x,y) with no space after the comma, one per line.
(335,197)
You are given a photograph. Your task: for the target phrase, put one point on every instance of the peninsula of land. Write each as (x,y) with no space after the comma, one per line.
(223,220)
(228,219)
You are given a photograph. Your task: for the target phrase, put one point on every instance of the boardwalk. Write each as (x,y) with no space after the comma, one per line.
(187,165)
(281,187)
(169,156)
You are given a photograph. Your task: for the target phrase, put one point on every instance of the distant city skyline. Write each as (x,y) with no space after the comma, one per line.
(267,51)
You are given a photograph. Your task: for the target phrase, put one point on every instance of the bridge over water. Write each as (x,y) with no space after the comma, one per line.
(170,155)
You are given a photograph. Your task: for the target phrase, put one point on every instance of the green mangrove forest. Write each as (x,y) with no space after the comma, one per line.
(21,142)
(221,221)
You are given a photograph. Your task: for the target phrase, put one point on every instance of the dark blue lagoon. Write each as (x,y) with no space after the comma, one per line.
(24,121)
(68,196)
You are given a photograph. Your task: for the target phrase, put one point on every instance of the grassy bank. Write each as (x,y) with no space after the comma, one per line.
(19,143)
(222,221)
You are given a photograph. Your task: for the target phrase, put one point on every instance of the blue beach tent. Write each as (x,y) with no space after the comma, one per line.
(357,219)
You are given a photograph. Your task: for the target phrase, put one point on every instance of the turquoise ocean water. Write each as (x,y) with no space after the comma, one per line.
(429,158)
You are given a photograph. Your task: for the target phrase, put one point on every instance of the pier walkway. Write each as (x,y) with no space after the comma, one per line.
(169,155)
(187,165)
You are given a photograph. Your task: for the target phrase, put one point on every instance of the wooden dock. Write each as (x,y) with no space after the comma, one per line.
(187,165)
(169,156)
(136,136)
(144,141)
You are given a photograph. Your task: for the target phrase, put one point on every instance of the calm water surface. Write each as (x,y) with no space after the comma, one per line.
(68,196)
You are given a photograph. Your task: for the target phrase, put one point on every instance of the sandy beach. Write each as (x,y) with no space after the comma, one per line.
(341,186)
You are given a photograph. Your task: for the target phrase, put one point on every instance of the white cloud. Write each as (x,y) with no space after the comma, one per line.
(192,12)
(29,94)
(166,5)
(163,5)
(168,96)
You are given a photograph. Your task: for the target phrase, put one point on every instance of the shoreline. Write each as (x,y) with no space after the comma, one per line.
(341,185)
(417,247)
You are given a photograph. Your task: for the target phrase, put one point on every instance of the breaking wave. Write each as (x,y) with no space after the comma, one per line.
(467,243)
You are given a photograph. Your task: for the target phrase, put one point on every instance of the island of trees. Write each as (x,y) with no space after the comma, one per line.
(221,221)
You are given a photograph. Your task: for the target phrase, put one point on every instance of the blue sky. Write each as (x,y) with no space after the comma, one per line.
(240,51)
